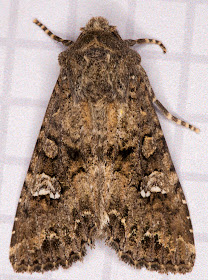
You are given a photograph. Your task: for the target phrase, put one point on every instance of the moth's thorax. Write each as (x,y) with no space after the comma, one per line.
(99,64)
(97,74)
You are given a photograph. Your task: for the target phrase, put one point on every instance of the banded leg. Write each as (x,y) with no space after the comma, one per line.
(146,41)
(169,116)
(50,34)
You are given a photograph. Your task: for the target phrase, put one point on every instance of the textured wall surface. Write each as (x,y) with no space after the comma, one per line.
(29,69)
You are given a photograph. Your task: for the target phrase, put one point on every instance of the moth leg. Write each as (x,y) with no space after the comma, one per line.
(146,41)
(169,116)
(50,34)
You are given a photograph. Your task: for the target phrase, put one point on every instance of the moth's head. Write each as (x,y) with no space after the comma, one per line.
(98,34)
(98,23)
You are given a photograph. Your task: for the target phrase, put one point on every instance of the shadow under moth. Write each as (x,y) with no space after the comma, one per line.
(101,166)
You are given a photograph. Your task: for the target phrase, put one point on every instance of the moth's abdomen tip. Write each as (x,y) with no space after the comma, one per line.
(197,130)
(35,20)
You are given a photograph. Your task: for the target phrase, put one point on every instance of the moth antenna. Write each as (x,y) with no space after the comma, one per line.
(50,34)
(146,41)
(169,116)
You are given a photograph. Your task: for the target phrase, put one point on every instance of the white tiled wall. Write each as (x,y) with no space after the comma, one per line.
(29,69)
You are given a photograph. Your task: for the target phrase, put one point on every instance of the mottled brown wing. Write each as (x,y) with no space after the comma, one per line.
(55,215)
(149,222)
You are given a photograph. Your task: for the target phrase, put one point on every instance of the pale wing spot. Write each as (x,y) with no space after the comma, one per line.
(44,192)
(184,201)
(155,189)
(45,185)
(147,193)
(143,193)
(51,195)
(57,195)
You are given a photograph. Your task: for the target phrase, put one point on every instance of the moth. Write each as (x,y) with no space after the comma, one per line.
(101,166)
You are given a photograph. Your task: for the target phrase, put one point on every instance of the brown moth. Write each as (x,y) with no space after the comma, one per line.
(101,166)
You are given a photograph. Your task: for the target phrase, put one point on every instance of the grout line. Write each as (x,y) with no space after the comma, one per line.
(129,32)
(29,102)
(183,83)
(194,58)
(31,44)
(201,236)
(195,177)
(4,276)
(13,160)
(73,19)
(187,1)
(6,219)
